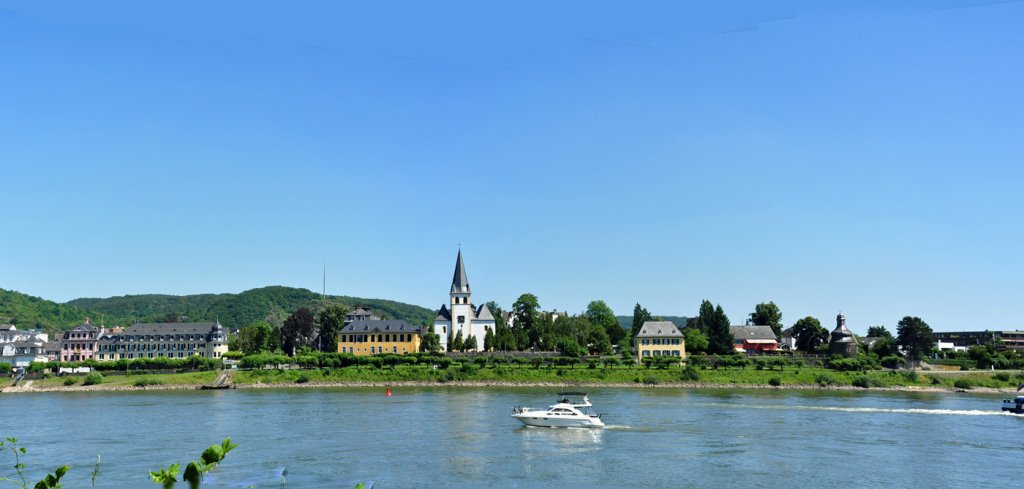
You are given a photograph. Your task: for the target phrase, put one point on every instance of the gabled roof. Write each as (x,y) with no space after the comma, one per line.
(380,326)
(484,313)
(360,311)
(170,328)
(740,333)
(460,284)
(869,341)
(84,327)
(659,328)
(443,314)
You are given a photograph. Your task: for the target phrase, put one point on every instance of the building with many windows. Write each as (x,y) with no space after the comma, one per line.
(80,343)
(960,340)
(659,338)
(371,337)
(20,348)
(168,340)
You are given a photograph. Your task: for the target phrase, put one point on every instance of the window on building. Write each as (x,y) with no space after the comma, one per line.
(647,353)
(462,319)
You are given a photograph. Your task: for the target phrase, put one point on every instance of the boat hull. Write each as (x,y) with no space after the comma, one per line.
(543,420)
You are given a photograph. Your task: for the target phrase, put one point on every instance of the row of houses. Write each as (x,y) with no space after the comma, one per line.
(20,348)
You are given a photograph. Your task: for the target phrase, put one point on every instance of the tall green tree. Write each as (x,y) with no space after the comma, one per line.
(331,319)
(599,314)
(470,344)
(527,311)
(489,340)
(458,344)
(696,342)
(879,332)
(430,342)
(768,314)
(809,334)
(720,339)
(504,339)
(298,330)
(640,316)
(915,337)
(705,317)
(259,337)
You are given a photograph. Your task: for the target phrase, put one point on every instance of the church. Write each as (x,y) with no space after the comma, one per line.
(459,315)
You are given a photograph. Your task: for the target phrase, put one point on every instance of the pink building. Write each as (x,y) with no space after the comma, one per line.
(80,343)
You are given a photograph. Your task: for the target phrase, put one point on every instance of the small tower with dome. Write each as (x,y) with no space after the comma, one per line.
(842,341)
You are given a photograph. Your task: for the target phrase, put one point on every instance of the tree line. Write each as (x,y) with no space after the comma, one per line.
(595,331)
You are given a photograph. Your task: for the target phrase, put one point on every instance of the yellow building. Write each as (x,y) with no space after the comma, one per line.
(659,339)
(372,337)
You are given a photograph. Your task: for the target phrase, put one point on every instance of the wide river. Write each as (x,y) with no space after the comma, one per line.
(464,437)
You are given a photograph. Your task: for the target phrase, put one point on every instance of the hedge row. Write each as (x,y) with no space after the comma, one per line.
(159,363)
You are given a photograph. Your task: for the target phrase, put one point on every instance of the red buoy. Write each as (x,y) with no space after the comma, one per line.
(389,392)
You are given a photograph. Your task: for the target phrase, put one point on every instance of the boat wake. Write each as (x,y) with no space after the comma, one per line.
(941,412)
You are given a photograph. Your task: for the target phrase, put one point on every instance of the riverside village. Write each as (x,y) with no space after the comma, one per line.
(326,341)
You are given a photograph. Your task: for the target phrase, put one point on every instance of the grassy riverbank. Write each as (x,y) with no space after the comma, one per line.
(805,377)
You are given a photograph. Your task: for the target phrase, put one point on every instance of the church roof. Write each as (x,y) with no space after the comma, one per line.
(460,284)
(484,313)
(443,314)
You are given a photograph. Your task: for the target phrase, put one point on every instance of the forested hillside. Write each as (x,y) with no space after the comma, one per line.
(233,310)
(28,312)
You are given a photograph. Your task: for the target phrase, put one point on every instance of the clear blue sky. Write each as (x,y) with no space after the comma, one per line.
(859,158)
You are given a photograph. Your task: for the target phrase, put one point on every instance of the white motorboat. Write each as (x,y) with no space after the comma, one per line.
(573,410)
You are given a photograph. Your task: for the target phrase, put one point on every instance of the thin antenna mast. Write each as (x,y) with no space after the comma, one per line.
(323,294)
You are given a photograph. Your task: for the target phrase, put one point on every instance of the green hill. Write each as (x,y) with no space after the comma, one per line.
(28,312)
(232,310)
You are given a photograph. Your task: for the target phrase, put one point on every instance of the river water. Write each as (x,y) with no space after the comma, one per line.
(464,437)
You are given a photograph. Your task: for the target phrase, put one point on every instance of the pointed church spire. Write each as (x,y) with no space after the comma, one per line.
(460,284)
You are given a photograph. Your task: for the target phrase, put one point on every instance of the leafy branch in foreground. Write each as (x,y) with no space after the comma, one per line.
(195,469)
(51,481)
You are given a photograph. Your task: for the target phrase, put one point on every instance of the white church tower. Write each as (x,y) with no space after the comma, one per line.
(459,315)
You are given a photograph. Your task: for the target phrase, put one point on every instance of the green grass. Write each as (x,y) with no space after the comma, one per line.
(791,376)
(109,378)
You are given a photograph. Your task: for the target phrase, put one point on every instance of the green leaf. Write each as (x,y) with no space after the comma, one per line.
(166,476)
(193,474)
(213,455)
(226,446)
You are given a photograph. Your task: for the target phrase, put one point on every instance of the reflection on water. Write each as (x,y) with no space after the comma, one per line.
(464,437)
(571,439)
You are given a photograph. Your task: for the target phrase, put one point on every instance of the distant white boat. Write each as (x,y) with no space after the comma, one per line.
(573,410)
